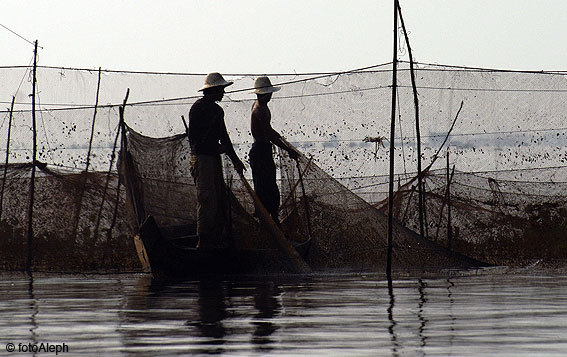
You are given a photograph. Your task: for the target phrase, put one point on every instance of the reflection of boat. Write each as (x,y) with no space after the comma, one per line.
(171,250)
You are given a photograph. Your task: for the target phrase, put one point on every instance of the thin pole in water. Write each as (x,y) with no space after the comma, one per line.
(420,183)
(84,177)
(122,131)
(449,223)
(7,156)
(34,156)
(112,156)
(392,138)
(93,124)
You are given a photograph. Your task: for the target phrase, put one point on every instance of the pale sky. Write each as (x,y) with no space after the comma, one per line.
(286,36)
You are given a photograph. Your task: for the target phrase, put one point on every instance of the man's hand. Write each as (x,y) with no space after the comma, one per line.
(294,155)
(239,166)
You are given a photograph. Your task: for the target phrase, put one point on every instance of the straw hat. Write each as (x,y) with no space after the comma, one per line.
(214,79)
(263,85)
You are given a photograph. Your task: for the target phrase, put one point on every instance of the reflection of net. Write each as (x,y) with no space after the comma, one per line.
(510,120)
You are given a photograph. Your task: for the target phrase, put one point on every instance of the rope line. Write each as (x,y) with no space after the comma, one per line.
(435,67)
(20,36)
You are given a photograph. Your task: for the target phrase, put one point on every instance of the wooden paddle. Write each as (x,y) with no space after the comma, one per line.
(279,238)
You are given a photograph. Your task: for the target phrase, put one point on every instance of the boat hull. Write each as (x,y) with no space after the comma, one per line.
(178,257)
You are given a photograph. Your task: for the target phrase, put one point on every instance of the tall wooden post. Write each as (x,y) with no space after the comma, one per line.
(34,158)
(392,146)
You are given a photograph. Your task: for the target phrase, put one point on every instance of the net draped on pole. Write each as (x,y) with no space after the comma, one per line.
(507,145)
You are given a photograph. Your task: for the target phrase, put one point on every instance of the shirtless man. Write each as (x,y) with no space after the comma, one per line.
(261,160)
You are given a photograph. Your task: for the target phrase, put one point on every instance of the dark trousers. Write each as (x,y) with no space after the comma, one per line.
(264,178)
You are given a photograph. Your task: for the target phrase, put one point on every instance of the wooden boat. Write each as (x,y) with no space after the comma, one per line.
(172,252)
(173,249)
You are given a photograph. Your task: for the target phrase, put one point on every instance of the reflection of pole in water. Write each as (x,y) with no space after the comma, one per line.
(391,327)
(34,311)
(265,300)
(451,316)
(423,320)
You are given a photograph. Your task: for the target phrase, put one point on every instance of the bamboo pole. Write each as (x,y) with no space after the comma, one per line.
(408,203)
(305,201)
(93,124)
(447,197)
(436,155)
(112,156)
(279,238)
(449,223)
(122,131)
(7,156)
(84,177)
(128,175)
(34,157)
(420,184)
(392,146)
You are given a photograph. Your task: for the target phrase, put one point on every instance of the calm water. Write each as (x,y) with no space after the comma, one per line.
(488,312)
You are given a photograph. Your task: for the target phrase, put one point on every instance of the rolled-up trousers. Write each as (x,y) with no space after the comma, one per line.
(211,196)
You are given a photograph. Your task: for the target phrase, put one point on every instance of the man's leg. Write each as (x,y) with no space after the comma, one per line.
(204,170)
(264,177)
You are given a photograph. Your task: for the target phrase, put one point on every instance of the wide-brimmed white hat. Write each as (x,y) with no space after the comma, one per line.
(263,85)
(214,79)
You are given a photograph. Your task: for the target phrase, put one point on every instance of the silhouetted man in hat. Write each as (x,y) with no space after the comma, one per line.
(208,138)
(261,159)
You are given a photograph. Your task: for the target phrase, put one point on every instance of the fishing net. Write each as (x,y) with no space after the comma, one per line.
(511,124)
(503,222)
(77,221)
(345,231)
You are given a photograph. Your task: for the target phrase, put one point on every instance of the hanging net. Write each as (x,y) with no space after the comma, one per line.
(77,221)
(346,232)
(506,198)
(503,222)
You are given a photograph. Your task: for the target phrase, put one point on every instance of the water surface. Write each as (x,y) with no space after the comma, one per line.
(477,313)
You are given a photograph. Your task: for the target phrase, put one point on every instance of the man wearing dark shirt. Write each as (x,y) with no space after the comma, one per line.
(208,138)
(261,160)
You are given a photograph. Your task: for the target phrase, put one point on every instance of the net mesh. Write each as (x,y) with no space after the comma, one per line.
(345,231)
(507,145)
(75,226)
(504,222)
